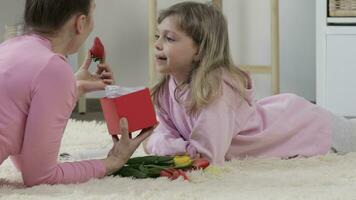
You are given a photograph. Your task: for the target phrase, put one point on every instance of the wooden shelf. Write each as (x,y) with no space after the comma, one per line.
(341,30)
(341,20)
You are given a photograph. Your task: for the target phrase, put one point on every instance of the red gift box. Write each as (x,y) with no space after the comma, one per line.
(136,107)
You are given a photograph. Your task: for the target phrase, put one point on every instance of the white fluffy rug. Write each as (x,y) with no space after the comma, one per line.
(326,177)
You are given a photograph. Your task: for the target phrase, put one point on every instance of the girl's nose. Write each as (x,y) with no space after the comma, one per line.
(158,44)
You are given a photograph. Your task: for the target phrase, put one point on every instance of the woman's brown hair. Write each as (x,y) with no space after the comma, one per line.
(48,16)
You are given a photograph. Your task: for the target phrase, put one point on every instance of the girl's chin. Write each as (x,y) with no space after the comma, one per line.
(162,69)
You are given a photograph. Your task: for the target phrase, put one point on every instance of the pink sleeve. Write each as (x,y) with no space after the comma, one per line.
(211,135)
(213,132)
(52,101)
(165,139)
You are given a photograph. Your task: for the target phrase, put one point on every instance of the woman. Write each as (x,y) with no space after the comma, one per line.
(38,92)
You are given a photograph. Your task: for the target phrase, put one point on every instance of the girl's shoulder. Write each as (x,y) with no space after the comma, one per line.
(234,80)
(232,83)
(232,89)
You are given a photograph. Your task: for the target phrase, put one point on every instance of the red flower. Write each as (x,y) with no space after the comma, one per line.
(97,51)
(200,163)
(173,174)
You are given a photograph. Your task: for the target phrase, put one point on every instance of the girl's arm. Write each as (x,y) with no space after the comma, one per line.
(165,139)
(213,131)
(211,135)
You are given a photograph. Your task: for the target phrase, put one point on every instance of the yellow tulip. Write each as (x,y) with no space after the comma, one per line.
(182,161)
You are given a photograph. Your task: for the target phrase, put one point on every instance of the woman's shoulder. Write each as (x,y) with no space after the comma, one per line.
(43,61)
(32,54)
(32,48)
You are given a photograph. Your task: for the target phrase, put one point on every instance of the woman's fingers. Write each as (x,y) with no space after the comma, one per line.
(115,138)
(87,61)
(99,69)
(106,75)
(102,68)
(108,81)
(127,136)
(126,146)
(124,129)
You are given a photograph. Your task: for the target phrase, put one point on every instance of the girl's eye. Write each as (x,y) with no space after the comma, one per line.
(156,36)
(169,39)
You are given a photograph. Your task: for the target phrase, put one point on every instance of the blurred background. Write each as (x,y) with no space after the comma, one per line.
(123,27)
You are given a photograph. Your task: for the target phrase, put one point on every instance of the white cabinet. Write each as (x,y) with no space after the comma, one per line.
(341,74)
(336,62)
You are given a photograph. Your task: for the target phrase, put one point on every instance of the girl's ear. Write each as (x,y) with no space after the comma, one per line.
(197,56)
(80,23)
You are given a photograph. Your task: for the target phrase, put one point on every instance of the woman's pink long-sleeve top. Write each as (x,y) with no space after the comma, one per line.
(37,95)
(283,125)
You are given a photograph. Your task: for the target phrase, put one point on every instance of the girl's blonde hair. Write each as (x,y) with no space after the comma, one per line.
(207,26)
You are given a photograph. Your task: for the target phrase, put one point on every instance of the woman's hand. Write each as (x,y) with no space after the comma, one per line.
(124,147)
(88,82)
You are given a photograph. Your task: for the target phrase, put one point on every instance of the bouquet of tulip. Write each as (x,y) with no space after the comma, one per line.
(161,166)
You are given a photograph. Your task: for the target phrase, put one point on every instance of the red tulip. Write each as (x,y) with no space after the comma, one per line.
(165,173)
(173,174)
(97,51)
(183,174)
(200,163)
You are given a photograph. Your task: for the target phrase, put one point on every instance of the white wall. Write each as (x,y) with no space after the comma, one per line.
(11,12)
(250,37)
(123,25)
(298,50)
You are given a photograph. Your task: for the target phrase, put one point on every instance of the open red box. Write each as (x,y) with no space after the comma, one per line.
(136,107)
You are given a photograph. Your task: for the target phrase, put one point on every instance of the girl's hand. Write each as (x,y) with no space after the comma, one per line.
(88,82)
(124,147)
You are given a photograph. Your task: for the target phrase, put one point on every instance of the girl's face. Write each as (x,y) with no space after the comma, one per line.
(175,51)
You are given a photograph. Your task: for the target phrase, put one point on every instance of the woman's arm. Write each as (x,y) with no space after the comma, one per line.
(52,101)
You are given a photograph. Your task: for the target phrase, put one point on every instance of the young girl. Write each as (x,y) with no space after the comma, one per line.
(205,104)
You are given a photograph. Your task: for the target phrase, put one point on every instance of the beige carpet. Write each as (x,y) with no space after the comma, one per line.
(326,177)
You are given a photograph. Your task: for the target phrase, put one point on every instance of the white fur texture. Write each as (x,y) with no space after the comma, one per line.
(326,177)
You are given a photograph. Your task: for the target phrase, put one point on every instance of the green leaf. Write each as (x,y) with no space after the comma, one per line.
(154,172)
(141,171)
(159,160)
(128,171)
